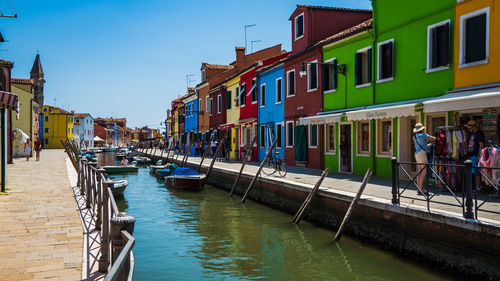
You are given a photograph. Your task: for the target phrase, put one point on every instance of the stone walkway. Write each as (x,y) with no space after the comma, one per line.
(40,226)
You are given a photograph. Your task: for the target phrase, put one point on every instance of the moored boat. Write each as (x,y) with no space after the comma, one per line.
(120,169)
(119,185)
(185,178)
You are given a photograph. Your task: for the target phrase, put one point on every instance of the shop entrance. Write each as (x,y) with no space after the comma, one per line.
(236,143)
(407,146)
(345,148)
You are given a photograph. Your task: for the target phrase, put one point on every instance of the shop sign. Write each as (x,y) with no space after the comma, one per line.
(376,115)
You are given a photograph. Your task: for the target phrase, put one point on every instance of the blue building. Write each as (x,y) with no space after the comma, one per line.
(191,119)
(271,108)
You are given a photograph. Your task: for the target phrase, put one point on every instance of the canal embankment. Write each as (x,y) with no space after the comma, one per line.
(440,237)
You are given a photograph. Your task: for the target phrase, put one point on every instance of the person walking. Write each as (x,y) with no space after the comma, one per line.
(422,146)
(38,148)
(27,149)
(474,147)
(213,146)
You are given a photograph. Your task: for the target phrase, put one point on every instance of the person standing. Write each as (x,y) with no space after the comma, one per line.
(38,148)
(213,146)
(27,149)
(422,145)
(474,147)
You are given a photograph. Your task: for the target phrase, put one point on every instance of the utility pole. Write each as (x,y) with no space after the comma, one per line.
(247,26)
(251,44)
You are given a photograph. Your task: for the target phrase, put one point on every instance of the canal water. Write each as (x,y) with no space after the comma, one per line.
(208,236)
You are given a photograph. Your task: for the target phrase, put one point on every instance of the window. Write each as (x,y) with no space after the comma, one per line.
(278,90)
(474,38)
(211,106)
(384,137)
(279,142)
(263,95)
(219,104)
(207,109)
(46,130)
(289,133)
(46,141)
(262,136)
(363,137)
(290,83)
(203,75)
(46,118)
(299,26)
(385,66)
(363,67)
(438,46)
(313,135)
(199,105)
(228,100)
(330,138)
(253,90)
(243,94)
(45,110)
(329,75)
(236,100)
(312,76)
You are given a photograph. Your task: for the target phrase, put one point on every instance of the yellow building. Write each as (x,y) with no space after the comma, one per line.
(57,125)
(175,120)
(233,115)
(23,88)
(476,44)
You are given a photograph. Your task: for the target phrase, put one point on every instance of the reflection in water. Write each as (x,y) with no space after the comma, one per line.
(209,236)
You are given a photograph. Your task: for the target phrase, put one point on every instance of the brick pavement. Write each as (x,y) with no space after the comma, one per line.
(40,227)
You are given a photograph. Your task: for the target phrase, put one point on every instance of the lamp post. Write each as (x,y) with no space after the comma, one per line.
(247,26)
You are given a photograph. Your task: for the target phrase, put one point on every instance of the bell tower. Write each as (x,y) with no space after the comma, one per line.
(37,75)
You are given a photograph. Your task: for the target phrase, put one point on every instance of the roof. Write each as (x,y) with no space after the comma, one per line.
(271,66)
(60,110)
(6,62)
(338,9)
(215,66)
(22,81)
(346,33)
(81,115)
(108,121)
(37,66)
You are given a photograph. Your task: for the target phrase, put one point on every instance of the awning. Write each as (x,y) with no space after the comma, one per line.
(382,112)
(320,119)
(97,139)
(8,100)
(246,120)
(465,100)
(226,126)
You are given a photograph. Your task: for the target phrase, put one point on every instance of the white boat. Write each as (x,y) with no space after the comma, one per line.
(119,185)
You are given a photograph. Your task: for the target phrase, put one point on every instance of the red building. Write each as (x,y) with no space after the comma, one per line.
(303,94)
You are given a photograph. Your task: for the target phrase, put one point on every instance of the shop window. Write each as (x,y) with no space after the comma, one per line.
(219,104)
(279,142)
(253,90)
(363,67)
(299,26)
(262,136)
(290,83)
(363,137)
(329,75)
(385,60)
(330,138)
(263,95)
(474,37)
(438,46)
(278,90)
(228,100)
(313,135)
(289,133)
(384,137)
(312,76)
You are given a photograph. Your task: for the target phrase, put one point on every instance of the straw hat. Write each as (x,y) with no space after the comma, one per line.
(418,127)
(471,123)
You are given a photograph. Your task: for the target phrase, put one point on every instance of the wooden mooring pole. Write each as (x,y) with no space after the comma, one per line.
(298,216)
(258,171)
(248,155)
(205,153)
(353,205)
(186,155)
(213,159)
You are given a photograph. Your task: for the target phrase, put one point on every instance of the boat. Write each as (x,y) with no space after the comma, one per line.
(141,159)
(120,156)
(120,169)
(108,149)
(162,173)
(185,178)
(157,166)
(118,185)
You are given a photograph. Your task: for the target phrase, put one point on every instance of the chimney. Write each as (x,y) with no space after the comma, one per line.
(240,57)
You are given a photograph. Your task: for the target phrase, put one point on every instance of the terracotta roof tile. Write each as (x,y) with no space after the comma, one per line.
(22,81)
(345,33)
(81,115)
(338,9)
(215,66)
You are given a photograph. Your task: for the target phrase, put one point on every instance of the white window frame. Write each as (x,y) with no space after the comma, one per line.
(262,100)
(377,137)
(334,89)
(463,18)
(279,145)
(288,83)
(244,85)
(276,91)
(207,99)
(295,25)
(358,136)
(362,51)
(211,108)
(429,29)
(293,137)
(255,89)
(325,130)
(219,104)
(314,62)
(379,65)
(309,136)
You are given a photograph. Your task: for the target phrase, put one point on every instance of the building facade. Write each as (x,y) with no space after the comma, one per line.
(84,129)
(57,126)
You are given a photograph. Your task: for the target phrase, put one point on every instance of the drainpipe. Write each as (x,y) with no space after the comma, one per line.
(374,83)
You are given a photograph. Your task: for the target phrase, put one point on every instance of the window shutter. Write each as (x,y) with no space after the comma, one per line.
(446,47)
(390,71)
(369,64)
(357,69)
(434,48)
(324,76)
(334,75)
(236,96)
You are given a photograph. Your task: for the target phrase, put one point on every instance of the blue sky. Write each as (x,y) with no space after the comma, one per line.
(130,58)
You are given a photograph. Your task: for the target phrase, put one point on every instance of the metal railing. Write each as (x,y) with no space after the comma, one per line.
(462,190)
(116,227)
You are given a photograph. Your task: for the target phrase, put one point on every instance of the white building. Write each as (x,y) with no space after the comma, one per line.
(84,129)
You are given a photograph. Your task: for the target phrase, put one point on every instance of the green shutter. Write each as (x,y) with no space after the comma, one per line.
(334,74)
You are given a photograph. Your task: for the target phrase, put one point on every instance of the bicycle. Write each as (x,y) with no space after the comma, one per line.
(272,166)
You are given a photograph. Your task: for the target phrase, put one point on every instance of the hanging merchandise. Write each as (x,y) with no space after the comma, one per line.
(490,125)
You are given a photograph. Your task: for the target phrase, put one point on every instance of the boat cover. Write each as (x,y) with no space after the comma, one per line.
(184,172)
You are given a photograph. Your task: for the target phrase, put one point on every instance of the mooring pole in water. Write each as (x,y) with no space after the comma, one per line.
(298,216)
(170,146)
(153,151)
(205,153)
(248,154)
(258,171)
(213,159)
(161,154)
(185,159)
(353,205)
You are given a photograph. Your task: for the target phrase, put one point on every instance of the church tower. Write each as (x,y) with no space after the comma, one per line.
(37,75)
